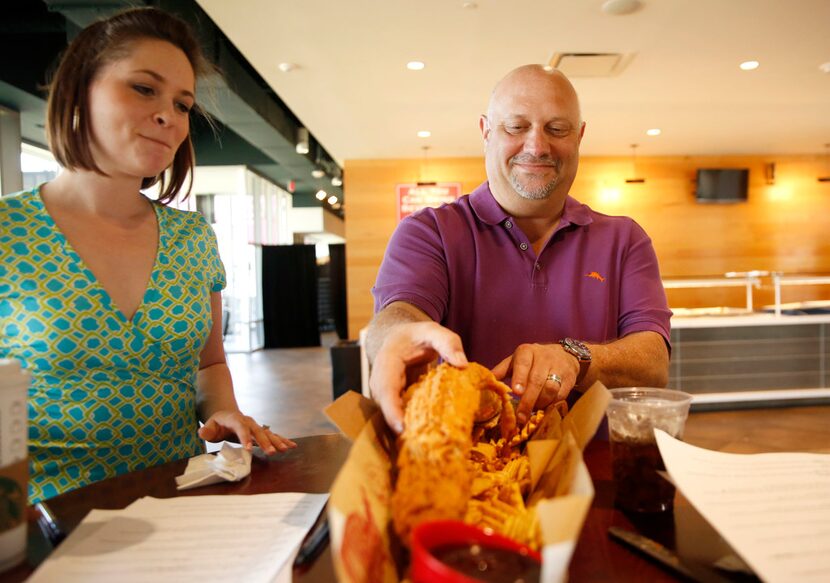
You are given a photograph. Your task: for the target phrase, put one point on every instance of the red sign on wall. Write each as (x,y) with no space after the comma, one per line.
(414,197)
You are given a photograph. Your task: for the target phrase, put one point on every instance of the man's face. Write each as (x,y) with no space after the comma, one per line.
(532,134)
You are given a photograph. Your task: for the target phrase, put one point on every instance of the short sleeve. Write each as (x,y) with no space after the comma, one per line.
(215,267)
(643,303)
(414,268)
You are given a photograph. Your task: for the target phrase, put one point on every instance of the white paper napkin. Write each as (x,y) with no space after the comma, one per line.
(230,464)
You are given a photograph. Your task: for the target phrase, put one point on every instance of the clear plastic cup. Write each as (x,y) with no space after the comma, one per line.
(633,415)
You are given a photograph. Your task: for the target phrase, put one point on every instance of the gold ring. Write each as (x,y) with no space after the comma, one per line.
(555,378)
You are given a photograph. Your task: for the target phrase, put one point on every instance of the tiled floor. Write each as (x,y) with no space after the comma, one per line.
(288,389)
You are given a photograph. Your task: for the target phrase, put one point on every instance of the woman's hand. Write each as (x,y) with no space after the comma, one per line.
(228,424)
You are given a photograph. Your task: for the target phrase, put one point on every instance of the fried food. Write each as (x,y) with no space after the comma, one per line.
(460,455)
(433,477)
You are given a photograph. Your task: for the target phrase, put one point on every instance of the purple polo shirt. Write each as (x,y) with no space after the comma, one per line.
(469,267)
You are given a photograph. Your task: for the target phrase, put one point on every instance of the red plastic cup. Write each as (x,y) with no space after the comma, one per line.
(432,535)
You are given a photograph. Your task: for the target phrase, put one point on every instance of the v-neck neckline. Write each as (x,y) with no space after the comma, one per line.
(106,299)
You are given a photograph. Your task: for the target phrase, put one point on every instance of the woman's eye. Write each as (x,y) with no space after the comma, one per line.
(143,89)
(183,107)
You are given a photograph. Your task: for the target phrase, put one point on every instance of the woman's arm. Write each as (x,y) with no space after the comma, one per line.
(215,402)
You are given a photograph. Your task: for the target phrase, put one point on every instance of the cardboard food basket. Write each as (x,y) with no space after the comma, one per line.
(364,546)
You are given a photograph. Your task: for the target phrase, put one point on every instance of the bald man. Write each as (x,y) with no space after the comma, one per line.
(519,276)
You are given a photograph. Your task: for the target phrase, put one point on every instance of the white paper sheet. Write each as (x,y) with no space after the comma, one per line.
(772,508)
(200,538)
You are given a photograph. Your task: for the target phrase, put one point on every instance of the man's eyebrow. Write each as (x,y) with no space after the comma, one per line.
(160,78)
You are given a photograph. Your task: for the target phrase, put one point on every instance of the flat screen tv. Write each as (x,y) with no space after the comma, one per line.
(722,185)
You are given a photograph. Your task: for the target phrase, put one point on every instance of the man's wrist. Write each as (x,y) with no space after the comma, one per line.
(581,352)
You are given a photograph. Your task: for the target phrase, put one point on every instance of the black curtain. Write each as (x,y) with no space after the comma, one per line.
(289,296)
(337,276)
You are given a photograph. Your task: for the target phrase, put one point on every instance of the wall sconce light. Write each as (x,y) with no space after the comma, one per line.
(826,177)
(634,165)
(769,173)
(302,141)
(321,194)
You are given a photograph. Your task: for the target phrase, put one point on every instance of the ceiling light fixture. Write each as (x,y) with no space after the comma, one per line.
(621,7)
(336,181)
(302,141)
(424,134)
(654,132)
(287,67)
(332,199)
(317,173)
(749,65)
(469,5)
(634,165)
(824,67)
(415,65)
(321,194)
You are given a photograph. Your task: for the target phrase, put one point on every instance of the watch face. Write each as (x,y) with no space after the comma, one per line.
(577,348)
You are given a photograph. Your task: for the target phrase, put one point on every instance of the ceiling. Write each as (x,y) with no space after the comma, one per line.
(352,89)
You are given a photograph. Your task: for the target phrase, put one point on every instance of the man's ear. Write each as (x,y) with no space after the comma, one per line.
(484,126)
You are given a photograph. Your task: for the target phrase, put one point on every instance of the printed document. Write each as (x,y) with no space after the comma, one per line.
(772,508)
(193,538)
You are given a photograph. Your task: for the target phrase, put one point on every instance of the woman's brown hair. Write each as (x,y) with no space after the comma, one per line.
(67,117)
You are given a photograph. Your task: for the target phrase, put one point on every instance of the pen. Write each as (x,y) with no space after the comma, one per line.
(49,525)
(666,557)
(314,542)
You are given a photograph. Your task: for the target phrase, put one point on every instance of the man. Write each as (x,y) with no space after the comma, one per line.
(521,275)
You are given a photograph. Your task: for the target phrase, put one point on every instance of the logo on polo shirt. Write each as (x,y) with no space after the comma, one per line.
(595,275)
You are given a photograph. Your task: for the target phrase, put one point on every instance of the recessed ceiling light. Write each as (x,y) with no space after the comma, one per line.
(317,173)
(824,68)
(654,132)
(415,65)
(749,65)
(332,199)
(424,134)
(620,7)
(321,194)
(287,67)
(469,4)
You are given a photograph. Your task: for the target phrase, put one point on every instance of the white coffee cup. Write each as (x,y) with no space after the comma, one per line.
(14,384)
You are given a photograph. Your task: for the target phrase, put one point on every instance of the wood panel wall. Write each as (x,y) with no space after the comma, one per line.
(783,226)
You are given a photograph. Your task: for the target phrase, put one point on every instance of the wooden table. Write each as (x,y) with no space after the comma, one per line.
(312,467)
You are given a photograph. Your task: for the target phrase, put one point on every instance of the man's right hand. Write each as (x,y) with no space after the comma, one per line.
(407,347)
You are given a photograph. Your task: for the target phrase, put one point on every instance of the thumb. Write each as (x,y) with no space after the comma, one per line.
(501,369)
(448,345)
(208,431)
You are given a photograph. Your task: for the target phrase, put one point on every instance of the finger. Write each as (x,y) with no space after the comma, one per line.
(449,346)
(501,369)
(527,403)
(281,443)
(209,431)
(261,436)
(386,383)
(522,364)
(238,425)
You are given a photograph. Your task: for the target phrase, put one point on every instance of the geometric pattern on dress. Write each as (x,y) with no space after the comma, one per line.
(108,395)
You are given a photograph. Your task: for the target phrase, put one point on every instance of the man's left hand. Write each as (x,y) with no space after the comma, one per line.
(541,373)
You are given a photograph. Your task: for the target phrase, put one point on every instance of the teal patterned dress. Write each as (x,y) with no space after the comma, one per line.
(108,395)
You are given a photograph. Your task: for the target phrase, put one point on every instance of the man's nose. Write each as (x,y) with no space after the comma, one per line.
(536,141)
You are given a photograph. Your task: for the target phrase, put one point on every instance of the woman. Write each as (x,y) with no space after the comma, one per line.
(111,300)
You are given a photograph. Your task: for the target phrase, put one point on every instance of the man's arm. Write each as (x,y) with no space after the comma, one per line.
(638,359)
(401,341)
